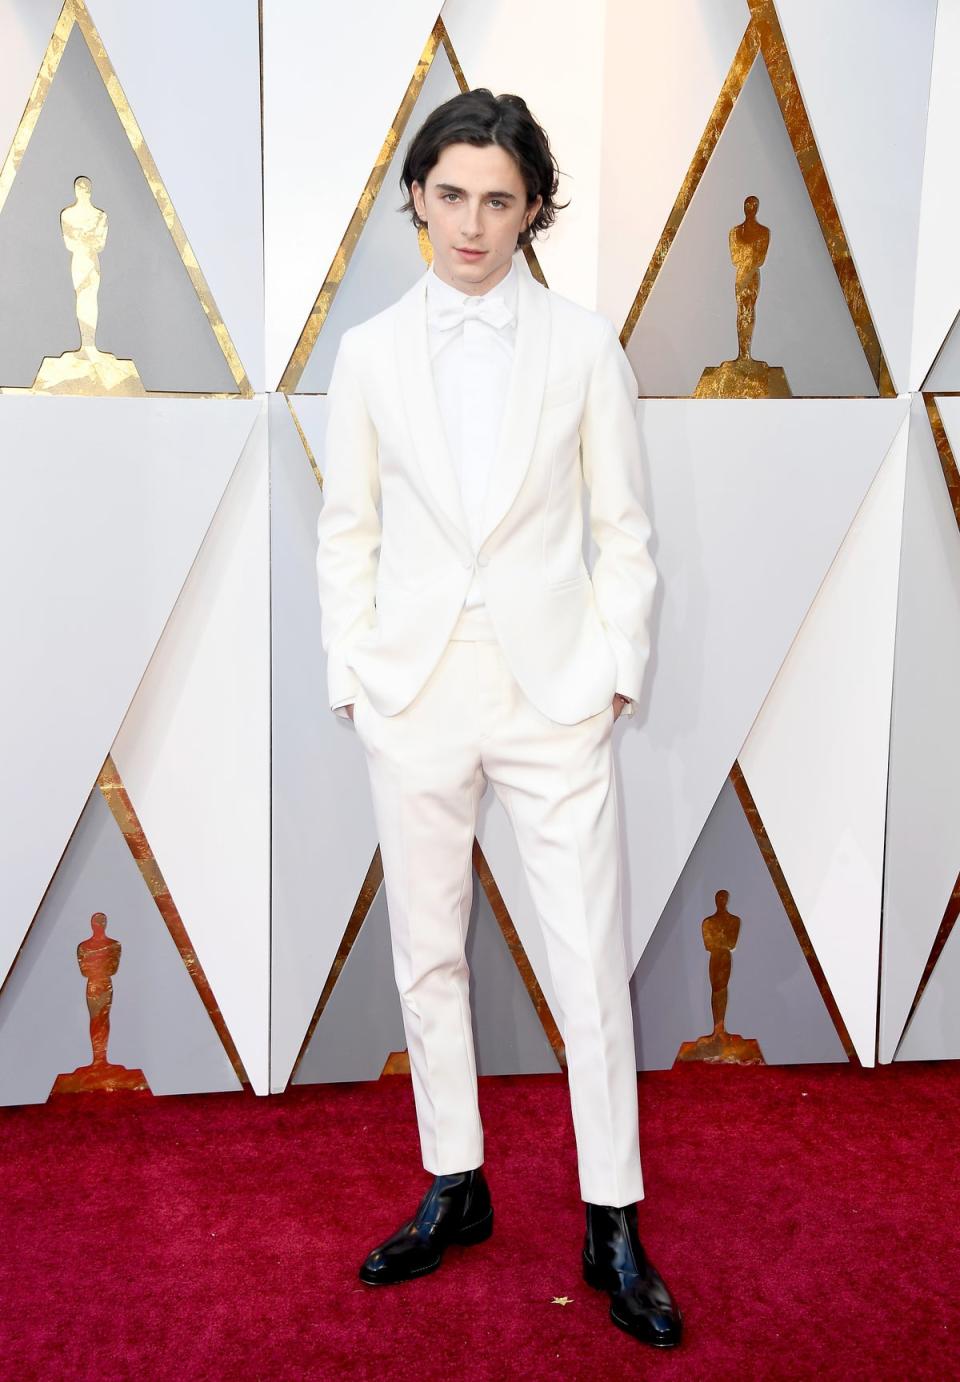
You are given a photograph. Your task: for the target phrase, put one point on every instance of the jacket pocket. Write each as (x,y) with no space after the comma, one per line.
(570,581)
(566,391)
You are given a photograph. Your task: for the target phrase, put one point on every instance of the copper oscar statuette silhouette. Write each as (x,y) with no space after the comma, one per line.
(745,377)
(87,370)
(99,959)
(720,934)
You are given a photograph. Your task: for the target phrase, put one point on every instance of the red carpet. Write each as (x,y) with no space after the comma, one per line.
(805,1217)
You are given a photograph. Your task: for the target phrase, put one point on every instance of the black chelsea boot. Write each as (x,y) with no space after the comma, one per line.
(614,1261)
(455,1209)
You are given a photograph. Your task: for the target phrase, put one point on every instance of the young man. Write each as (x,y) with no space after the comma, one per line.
(469,643)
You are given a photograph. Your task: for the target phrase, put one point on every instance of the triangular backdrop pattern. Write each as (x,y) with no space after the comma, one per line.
(158,1022)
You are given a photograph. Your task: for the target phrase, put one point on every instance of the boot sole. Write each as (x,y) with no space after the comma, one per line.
(465,1237)
(602,1280)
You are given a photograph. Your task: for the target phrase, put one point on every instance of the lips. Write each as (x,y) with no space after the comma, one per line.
(470,254)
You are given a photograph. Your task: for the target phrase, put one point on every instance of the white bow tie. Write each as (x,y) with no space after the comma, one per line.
(492,310)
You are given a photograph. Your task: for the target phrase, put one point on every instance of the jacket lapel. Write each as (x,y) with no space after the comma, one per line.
(521,414)
(422,411)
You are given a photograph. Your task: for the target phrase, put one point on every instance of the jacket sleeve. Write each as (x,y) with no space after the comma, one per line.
(348,528)
(624,575)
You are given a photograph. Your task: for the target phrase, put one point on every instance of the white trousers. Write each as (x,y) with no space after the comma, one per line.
(429,765)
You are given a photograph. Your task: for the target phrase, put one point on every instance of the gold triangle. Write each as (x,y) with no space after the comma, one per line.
(75,12)
(764,37)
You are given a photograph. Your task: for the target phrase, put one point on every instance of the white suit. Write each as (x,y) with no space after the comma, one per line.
(529,709)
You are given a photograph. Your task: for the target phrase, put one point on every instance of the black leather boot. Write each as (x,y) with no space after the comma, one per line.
(456,1209)
(614,1261)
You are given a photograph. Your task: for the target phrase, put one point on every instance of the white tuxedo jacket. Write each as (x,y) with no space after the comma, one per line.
(394,556)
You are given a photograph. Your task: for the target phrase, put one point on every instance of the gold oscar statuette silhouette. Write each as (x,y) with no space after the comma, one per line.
(99,959)
(87,370)
(720,934)
(745,377)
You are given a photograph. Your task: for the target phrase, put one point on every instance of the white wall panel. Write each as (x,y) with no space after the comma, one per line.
(550,52)
(938,260)
(324,834)
(864,73)
(194,755)
(816,758)
(333,78)
(923,826)
(664,66)
(750,505)
(105,503)
(202,126)
(25,29)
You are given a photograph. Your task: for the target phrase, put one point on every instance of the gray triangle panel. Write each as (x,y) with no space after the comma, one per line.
(803,323)
(933,1032)
(508,1035)
(158,1023)
(361,1023)
(772,996)
(944,373)
(148,308)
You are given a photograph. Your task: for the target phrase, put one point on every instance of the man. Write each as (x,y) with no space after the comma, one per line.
(469,643)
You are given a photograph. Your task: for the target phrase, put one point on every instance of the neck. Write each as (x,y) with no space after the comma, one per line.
(472,288)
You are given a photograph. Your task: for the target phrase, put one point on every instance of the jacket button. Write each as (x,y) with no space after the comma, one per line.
(466,564)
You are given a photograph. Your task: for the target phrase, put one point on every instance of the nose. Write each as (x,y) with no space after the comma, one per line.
(470,224)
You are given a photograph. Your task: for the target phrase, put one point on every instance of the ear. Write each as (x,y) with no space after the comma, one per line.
(532,210)
(419,202)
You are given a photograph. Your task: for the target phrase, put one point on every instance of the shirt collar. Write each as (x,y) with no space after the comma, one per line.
(440,294)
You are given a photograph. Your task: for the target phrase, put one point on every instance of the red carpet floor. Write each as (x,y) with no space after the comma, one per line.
(806,1218)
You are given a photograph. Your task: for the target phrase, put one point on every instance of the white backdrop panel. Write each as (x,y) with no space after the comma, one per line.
(864,74)
(25,28)
(192,76)
(938,262)
(749,505)
(333,78)
(664,66)
(105,504)
(194,754)
(324,834)
(816,757)
(550,52)
(923,826)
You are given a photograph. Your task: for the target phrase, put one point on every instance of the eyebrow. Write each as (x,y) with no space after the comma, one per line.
(449,187)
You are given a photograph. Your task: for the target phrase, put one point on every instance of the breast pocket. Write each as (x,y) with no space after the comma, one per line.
(565,391)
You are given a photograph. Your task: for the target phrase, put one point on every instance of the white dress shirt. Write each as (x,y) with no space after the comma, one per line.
(472,363)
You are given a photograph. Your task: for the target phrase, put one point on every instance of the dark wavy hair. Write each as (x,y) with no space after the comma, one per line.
(478,117)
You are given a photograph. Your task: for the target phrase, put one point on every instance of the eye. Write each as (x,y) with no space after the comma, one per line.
(450,197)
(495,201)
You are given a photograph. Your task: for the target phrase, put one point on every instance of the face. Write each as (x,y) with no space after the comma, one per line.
(475,205)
